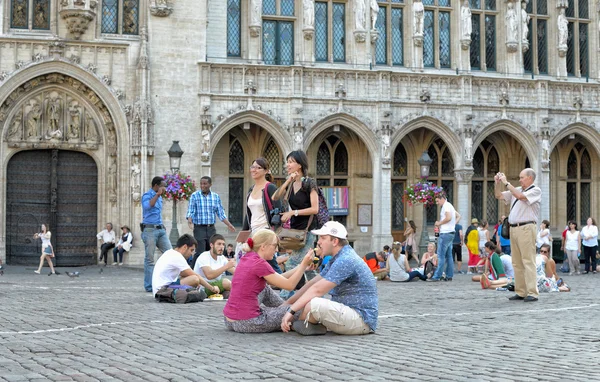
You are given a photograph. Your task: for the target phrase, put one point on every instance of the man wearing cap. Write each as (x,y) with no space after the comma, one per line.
(446,225)
(353,307)
(523,217)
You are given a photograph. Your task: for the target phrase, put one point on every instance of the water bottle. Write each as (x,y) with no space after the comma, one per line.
(436,231)
(501,289)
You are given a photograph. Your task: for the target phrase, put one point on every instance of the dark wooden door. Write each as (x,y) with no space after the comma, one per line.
(58,188)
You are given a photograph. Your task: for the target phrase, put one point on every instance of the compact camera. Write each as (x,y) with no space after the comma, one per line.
(275,217)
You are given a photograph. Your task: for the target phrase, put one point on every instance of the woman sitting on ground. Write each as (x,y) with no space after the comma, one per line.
(398,269)
(492,268)
(429,261)
(253,307)
(547,280)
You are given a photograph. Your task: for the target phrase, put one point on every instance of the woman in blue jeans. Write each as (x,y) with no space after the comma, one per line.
(399,270)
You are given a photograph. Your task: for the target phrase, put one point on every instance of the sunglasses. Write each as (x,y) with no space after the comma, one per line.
(543,251)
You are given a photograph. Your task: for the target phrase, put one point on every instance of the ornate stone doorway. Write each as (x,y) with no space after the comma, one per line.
(55,187)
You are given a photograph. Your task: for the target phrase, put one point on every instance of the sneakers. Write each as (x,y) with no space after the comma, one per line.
(38,272)
(120,263)
(309,329)
(115,263)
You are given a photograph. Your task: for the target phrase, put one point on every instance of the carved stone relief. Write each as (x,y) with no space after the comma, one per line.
(160,8)
(136,173)
(111,180)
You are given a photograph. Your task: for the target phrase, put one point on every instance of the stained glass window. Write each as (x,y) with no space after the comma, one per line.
(475,42)
(381,44)
(428,39)
(339,32)
(19,14)
(272,156)
(397,42)
(583,49)
(397,206)
(323,160)
(444,39)
(41,14)
(130,16)
(269,7)
(340,160)
(110,16)
(400,161)
(542,46)
(236,159)
(234,27)
(572,165)
(321,35)
(287,7)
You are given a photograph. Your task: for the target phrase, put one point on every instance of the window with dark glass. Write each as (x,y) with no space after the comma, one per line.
(234,27)
(535,59)
(577,41)
(441,172)
(486,164)
(389,47)
(437,34)
(120,17)
(399,179)
(579,177)
(30,14)
(236,182)
(483,35)
(278,32)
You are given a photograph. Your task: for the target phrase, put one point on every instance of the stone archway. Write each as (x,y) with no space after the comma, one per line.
(522,136)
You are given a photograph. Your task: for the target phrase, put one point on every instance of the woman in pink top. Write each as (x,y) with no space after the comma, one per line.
(253,307)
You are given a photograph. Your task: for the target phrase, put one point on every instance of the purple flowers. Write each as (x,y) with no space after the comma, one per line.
(422,192)
(179,186)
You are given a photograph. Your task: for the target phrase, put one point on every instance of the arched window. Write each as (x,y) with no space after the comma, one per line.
(120,17)
(579,176)
(577,41)
(236,182)
(278,32)
(483,36)
(389,47)
(332,166)
(399,177)
(436,33)
(441,173)
(486,164)
(30,14)
(234,28)
(273,156)
(535,59)
(330,31)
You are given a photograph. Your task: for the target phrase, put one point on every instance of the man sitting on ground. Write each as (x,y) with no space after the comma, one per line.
(353,307)
(212,265)
(172,267)
(374,260)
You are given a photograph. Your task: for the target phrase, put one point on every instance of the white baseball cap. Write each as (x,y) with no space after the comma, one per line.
(332,228)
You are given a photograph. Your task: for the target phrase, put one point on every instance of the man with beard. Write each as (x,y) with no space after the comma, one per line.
(212,265)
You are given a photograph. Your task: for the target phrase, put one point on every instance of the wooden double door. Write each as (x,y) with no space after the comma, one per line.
(58,188)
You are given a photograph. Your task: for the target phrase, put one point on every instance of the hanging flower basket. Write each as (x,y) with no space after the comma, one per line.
(422,193)
(179,187)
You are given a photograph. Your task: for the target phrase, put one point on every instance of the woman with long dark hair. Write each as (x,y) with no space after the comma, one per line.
(299,192)
(47,250)
(410,234)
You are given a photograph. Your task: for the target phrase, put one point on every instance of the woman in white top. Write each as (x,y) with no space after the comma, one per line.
(589,235)
(484,237)
(399,270)
(47,250)
(124,245)
(572,245)
(543,235)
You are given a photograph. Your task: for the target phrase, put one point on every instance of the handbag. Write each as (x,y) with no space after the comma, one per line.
(505,224)
(290,238)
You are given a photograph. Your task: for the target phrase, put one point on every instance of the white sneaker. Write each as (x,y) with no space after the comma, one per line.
(114,263)
(120,263)
(38,272)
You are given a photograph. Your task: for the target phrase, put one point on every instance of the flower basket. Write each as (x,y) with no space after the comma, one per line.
(179,187)
(422,193)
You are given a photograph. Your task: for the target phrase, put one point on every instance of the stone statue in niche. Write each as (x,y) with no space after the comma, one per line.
(256,12)
(205,145)
(468,148)
(298,137)
(563,29)
(14,133)
(466,22)
(359,15)
(90,130)
(545,150)
(74,122)
(511,23)
(53,111)
(374,13)
(418,17)
(524,23)
(136,173)
(385,143)
(112,178)
(34,118)
(308,12)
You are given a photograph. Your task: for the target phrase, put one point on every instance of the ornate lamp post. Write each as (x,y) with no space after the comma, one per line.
(175,154)
(425,162)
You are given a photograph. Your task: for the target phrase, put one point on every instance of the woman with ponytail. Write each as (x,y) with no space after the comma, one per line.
(253,307)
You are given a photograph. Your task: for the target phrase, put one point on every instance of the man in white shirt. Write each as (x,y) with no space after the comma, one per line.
(211,265)
(172,267)
(446,226)
(108,238)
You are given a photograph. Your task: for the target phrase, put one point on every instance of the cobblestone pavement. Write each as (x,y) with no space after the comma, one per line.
(103,326)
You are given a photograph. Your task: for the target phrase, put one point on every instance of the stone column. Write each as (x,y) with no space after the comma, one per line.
(462,203)
(382,203)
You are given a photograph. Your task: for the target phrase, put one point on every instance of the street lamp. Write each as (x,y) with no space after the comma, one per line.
(175,154)
(425,162)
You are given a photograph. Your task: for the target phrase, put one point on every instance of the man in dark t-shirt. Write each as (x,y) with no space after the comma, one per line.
(457,247)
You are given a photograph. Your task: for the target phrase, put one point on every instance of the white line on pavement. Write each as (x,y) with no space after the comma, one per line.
(503,312)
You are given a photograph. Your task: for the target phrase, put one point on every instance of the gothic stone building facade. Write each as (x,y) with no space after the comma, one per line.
(93,92)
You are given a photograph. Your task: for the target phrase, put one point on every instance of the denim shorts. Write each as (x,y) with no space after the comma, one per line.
(48,250)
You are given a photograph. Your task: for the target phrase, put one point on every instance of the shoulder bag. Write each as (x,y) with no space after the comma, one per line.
(505,224)
(290,238)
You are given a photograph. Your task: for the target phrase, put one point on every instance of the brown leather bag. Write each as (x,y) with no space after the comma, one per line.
(290,238)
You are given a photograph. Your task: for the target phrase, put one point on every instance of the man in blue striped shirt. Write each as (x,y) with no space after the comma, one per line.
(203,206)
